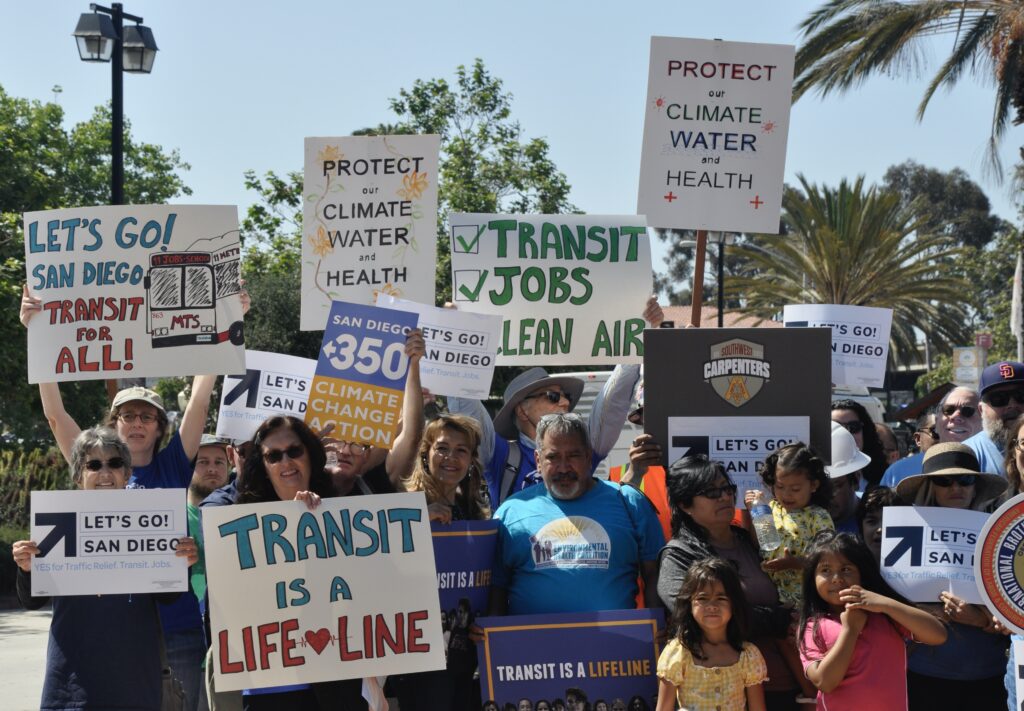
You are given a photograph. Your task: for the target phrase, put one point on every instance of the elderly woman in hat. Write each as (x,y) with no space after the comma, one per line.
(967,671)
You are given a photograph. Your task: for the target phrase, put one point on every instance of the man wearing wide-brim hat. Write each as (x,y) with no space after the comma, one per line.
(951,476)
(507,447)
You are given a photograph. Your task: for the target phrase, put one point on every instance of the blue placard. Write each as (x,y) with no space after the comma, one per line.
(366,344)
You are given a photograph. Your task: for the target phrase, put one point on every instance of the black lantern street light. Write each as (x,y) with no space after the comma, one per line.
(102,37)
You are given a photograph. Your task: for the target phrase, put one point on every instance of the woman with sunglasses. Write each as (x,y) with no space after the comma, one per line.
(702,498)
(967,671)
(103,650)
(852,415)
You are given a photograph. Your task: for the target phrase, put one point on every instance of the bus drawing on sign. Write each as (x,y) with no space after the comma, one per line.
(184,288)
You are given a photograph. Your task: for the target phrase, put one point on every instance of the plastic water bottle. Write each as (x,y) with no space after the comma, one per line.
(764,525)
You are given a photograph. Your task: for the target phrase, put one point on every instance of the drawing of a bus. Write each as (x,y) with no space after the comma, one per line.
(182,292)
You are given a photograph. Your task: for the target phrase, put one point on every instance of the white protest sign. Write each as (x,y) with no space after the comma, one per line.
(106,542)
(860,339)
(1017,664)
(369,221)
(715,131)
(928,549)
(273,384)
(131,291)
(740,443)
(461,348)
(345,591)
(570,288)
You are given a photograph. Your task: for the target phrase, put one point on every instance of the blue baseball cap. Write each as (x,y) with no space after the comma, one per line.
(1003,373)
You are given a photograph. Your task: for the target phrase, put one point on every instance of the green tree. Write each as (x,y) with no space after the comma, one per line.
(44,165)
(859,246)
(847,41)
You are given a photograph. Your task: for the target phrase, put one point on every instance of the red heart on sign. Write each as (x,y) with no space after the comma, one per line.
(319,639)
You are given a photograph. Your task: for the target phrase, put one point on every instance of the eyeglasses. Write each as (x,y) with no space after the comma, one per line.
(947,481)
(273,456)
(965,410)
(129,417)
(716,492)
(1001,398)
(94,465)
(930,431)
(354,447)
(448,453)
(853,427)
(553,396)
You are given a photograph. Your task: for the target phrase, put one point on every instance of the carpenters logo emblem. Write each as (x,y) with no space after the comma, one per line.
(737,370)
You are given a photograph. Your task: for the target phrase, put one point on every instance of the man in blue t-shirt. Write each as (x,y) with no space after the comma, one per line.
(576,543)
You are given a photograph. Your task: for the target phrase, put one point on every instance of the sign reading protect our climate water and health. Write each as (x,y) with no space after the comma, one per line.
(570,288)
(273,384)
(108,542)
(462,348)
(131,291)
(369,221)
(716,123)
(607,655)
(360,375)
(341,592)
(860,339)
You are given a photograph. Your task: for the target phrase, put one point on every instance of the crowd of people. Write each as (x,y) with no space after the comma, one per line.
(752,623)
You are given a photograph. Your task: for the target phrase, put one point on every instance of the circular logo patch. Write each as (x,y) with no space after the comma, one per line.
(999,563)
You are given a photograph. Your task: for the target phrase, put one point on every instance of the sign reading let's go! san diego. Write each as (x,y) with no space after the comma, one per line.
(715,129)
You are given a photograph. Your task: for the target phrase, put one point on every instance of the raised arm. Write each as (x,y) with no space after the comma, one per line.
(923,625)
(402,455)
(193,422)
(611,407)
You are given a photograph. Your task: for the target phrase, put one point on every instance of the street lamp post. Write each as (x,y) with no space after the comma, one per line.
(102,37)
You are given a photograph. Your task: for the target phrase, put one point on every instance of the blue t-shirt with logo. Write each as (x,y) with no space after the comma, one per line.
(578,555)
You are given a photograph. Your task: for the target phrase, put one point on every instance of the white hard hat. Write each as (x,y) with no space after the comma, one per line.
(846,458)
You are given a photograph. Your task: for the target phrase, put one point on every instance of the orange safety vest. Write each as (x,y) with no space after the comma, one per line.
(653,487)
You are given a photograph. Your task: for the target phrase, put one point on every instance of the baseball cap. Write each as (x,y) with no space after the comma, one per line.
(142,395)
(1002,373)
(209,440)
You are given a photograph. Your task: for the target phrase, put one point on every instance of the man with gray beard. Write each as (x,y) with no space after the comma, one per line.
(1002,401)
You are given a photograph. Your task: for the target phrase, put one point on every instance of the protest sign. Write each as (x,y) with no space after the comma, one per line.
(740,443)
(369,221)
(734,392)
(461,348)
(860,339)
(134,291)
(998,566)
(609,655)
(340,592)
(360,376)
(1017,662)
(273,384)
(570,288)
(108,542)
(928,549)
(715,131)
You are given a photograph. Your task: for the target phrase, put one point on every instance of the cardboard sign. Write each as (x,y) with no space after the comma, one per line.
(369,221)
(740,443)
(360,376)
(997,566)
(570,288)
(131,291)
(607,655)
(461,348)
(273,384)
(860,339)
(715,130)
(928,549)
(703,379)
(342,592)
(108,542)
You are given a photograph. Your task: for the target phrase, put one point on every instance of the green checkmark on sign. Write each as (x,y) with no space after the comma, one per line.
(474,294)
(469,246)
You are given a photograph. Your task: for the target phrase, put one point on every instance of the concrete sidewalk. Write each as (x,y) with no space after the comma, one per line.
(22,657)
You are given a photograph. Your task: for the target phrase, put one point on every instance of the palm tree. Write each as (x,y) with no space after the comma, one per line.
(847,41)
(857,246)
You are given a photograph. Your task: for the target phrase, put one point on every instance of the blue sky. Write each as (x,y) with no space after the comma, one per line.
(238,85)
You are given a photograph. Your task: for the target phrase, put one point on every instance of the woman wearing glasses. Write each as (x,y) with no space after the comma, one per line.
(852,415)
(103,650)
(967,671)
(702,498)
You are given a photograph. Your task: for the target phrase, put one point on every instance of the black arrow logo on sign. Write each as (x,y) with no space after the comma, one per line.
(248,384)
(63,527)
(912,540)
(691,445)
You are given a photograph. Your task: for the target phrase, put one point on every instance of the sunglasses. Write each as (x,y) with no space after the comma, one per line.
(273,456)
(716,492)
(965,410)
(947,481)
(553,396)
(930,431)
(1001,398)
(854,427)
(94,465)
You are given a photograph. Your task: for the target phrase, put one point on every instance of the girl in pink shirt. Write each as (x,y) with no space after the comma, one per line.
(853,629)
